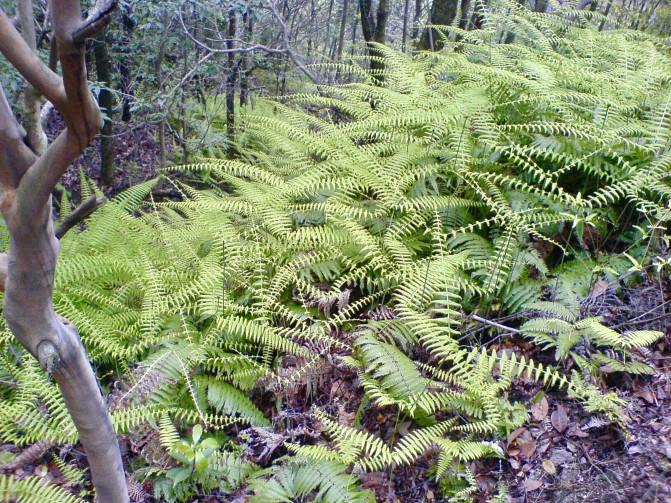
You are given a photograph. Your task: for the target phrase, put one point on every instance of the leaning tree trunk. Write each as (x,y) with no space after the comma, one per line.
(27,271)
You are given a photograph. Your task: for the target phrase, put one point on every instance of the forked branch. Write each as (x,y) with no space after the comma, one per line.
(27,270)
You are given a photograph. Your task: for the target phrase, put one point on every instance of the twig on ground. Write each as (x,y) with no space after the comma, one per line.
(494,324)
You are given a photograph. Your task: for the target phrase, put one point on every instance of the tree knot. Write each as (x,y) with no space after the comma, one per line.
(48,356)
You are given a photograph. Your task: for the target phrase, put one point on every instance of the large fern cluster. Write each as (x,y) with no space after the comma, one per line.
(367,222)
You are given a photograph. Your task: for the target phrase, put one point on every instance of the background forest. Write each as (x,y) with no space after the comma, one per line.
(358,250)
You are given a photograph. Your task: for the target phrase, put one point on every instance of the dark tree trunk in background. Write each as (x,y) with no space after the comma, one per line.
(465,14)
(313,18)
(125,63)
(443,12)
(510,35)
(158,70)
(406,13)
(230,82)
(367,20)
(382,16)
(374,27)
(343,24)
(327,41)
(477,19)
(245,67)
(541,5)
(53,55)
(416,18)
(605,14)
(106,105)
(355,27)
(182,111)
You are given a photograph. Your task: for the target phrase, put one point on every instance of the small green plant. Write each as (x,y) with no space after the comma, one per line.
(196,456)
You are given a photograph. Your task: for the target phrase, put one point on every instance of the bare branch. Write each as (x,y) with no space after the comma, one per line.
(295,57)
(285,49)
(213,50)
(79,214)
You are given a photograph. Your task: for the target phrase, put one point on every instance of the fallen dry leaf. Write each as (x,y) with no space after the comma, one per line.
(527,446)
(559,419)
(549,467)
(540,409)
(516,433)
(599,288)
(646,394)
(574,431)
(532,484)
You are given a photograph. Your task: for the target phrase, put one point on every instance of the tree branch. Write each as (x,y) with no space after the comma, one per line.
(80,112)
(29,65)
(285,49)
(295,57)
(15,156)
(79,214)
(99,17)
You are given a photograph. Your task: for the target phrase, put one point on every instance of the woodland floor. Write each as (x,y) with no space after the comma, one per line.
(564,454)
(136,155)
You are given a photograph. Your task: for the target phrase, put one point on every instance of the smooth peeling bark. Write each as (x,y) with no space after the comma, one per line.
(30,315)
(27,178)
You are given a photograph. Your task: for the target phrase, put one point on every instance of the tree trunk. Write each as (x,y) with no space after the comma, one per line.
(465,14)
(341,35)
(355,27)
(416,18)
(125,64)
(478,19)
(374,30)
(327,40)
(367,21)
(27,271)
(158,70)
(230,83)
(245,68)
(313,19)
(541,5)
(406,12)
(32,108)
(106,104)
(443,13)
(381,24)
(605,15)
(30,315)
